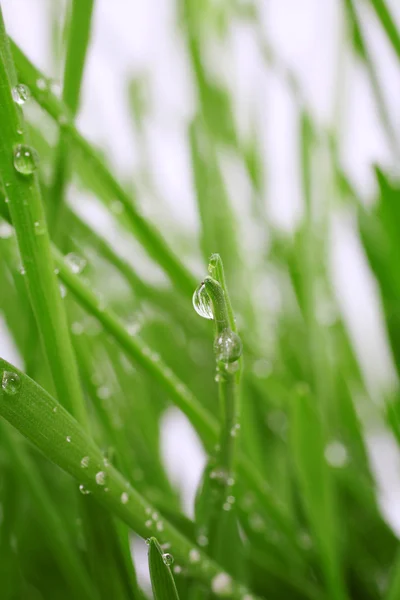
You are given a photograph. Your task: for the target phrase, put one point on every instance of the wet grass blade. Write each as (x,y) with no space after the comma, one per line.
(33,412)
(162,581)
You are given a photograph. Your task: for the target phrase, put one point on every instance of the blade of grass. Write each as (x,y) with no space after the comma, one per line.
(32,411)
(388,24)
(145,232)
(27,213)
(162,582)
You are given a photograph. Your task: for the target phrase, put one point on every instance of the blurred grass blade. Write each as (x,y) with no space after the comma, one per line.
(162,582)
(388,24)
(308,447)
(145,232)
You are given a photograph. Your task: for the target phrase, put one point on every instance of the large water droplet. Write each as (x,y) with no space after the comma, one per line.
(11,383)
(26,159)
(221,584)
(21,93)
(168,559)
(228,346)
(202,302)
(75,262)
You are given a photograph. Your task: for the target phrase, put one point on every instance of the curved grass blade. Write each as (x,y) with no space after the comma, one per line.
(162,582)
(145,232)
(28,217)
(32,411)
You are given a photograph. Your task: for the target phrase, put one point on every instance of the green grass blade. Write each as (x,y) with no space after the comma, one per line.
(162,582)
(32,411)
(145,232)
(27,213)
(308,447)
(388,24)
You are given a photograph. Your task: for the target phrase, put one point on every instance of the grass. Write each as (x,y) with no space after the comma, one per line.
(287,505)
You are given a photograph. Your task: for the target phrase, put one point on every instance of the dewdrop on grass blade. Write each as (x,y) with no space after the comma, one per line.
(228,346)
(10,383)
(20,93)
(75,262)
(202,302)
(26,159)
(168,559)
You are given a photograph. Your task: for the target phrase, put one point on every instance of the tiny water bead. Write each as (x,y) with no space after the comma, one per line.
(124,498)
(228,346)
(100,478)
(75,262)
(26,159)
(85,462)
(194,556)
(83,490)
(168,559)
(336,454)
(10,383)
(221,584)
(21,93)
(202,302)
(68,438)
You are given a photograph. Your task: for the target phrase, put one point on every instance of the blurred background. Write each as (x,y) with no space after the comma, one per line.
(300,99)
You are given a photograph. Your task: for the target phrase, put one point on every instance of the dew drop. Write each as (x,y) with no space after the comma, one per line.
(235,430)
(26,159)
(41,84)
(83,490)
(202,302)
(148,542)
(228,346)
(194,555)
(221,475)
(63,290)
(124,498)
(75,262)
(55,409)
(226,506)
(68,438)
(100,478)
(336,454)
(168,559)
(202,540)
(21,93)
(22,270)
(6,230)
(40,228)
(221,584)
(177,569)
(160,526)
(85,462)
(10,383)
(149,523)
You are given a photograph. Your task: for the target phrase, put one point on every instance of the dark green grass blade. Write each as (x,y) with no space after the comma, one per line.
(162,582)
(388,24)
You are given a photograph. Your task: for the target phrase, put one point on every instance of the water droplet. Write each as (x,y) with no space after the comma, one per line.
(336,454)
(56,271)
(26,159)
(221,584)
(68,438)
(226,506)
(40,228)
(22,270)
(55,88)
(168,559)
(21,93)
(221,475)
(202,540)
(177,569)
(154,516)
(55,409)
(124,498)
(100,478)
(6,230)
(160,526)
(235,430)
(103,392)
(10,383)
(148,541)
(83,490)
(85,462)
(228,346)
(232,367)
(202,302)
(41,84)
(148,510)
(63,290)
(77,328)
(231,499)
(20,131)
(194,555)
(149,523)
(75,262)
(256,522)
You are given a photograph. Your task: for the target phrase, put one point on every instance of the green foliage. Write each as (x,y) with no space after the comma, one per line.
(287,505)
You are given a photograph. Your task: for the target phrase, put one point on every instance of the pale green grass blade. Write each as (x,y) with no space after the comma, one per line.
(162,581)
